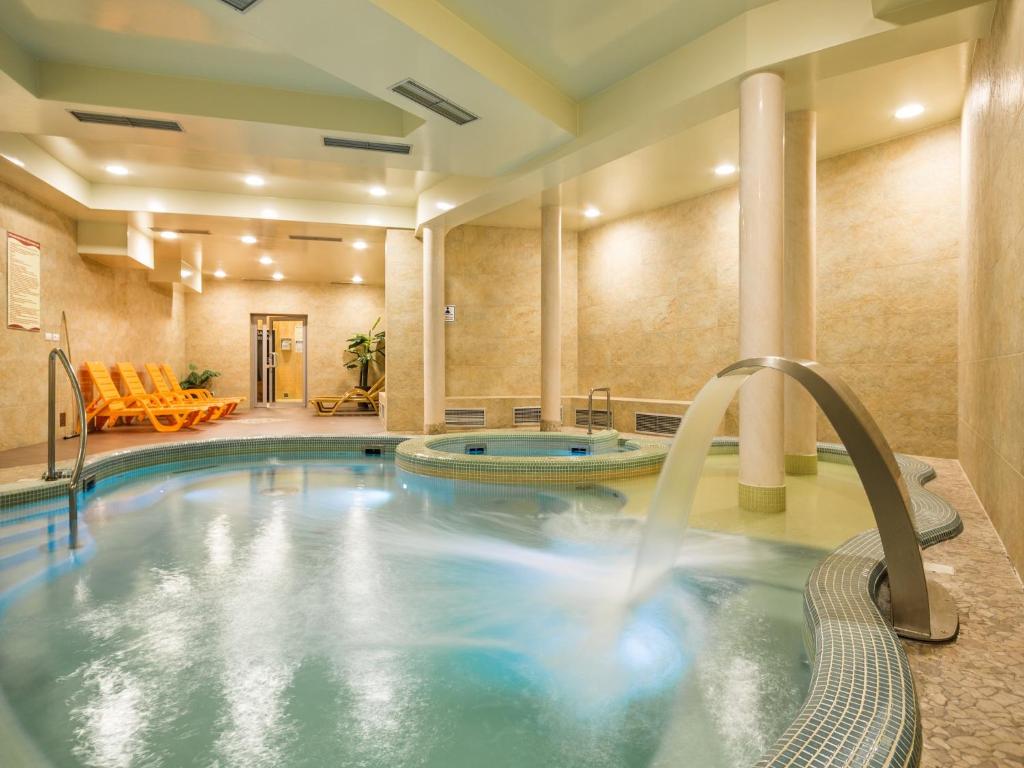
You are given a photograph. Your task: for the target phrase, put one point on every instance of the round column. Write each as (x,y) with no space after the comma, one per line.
(433,329)
(551,312)
(762,125)
(801,433)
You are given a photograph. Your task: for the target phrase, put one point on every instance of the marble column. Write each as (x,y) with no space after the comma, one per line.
(801,434)
(762,125)
(433,329)
(551,312)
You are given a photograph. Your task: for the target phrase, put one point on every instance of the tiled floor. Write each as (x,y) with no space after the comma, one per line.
(971,692)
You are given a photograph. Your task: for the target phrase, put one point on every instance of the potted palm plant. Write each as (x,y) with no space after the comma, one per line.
(365,349)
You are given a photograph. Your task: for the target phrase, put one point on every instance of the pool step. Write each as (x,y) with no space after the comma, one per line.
(34,548)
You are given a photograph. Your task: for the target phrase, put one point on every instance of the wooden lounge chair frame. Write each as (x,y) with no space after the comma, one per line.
(330,405)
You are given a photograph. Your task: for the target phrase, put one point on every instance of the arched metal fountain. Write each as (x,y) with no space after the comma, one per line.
(921,609)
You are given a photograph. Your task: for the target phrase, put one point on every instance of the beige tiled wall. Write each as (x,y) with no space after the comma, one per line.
(403,311)
(492,276)
(219,328)
(992,278)
(658,291)
(113,315)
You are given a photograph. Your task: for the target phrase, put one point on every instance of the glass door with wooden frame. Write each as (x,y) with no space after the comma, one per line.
(278,356)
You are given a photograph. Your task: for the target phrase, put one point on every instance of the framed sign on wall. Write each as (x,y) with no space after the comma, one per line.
(23,299)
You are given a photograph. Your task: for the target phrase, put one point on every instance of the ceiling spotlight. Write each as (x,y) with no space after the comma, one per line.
(220,274)
(264,259)
(360,245)
(169,234)
(117,170)
(14,160)
(249,239)
(357,278)
(908,111)
(591,212)
(378,191)
(277,276)
(186,274)
(725,169)
(254,181)
(443,206)
(269,213)
(156,206)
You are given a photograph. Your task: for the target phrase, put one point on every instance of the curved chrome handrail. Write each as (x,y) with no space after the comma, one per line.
(57,354)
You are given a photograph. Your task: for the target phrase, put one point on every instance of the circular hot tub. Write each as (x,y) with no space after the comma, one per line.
(531,457)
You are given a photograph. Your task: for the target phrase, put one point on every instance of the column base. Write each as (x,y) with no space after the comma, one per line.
(551,426)
(435,429)
(801,464)
(763,498)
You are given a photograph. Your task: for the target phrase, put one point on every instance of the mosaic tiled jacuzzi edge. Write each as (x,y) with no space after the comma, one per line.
(861,709)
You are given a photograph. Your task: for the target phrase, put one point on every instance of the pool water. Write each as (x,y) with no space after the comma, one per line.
(311,613)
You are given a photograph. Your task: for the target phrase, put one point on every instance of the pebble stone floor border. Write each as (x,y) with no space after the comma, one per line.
(862,706)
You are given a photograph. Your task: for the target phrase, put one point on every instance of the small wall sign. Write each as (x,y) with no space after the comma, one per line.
(449,313)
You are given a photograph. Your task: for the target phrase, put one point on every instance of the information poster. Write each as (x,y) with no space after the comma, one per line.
(22,283)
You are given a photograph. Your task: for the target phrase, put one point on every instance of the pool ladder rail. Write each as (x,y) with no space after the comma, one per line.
(73,476)
(590,408)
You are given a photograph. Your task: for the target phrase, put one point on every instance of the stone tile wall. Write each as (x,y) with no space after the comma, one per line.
(991,396)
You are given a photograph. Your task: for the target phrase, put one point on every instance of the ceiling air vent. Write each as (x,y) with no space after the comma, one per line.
(99,118)
(317,238)
(657,423)
(240,5)
(465,417)
(158,230)
(435,102)
(372,146)
(600,418)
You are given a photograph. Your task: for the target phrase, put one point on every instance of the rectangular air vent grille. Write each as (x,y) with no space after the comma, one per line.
(370,146)
(158,230)
(240,5)
(124,121)
(317,238)
(434,101)
(465,417)
(600,418)
(523,415)
(657,423)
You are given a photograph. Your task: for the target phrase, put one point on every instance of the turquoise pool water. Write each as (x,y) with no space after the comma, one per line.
(310,614)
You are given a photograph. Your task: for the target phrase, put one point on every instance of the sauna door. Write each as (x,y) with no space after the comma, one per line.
(278,360)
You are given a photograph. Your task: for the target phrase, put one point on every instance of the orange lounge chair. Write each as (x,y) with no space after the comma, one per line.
(217,408)
(200,395)
(110,406)
(133,383)
(330,404)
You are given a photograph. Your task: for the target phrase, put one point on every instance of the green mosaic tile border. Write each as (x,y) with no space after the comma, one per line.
(445,457)
(861,709)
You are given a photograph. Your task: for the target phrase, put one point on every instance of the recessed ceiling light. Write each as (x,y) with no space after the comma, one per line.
(169,234)
(220,274)
(442,205)
(249,239)
(117,170)
(591,212)
(277,276)
(186,274)
(908,111)
(269,213)
(264,259)
(378,191)
(156,206)
(254,181)
(359,245)
(14,160)
(357,278)
(725,169)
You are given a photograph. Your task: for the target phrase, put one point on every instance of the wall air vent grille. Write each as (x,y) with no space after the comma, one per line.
(124,121)
(317,238)
(657,423)
(394,148)
(240,5)
(600,418)
(465,417)
(434,101)
(526,414)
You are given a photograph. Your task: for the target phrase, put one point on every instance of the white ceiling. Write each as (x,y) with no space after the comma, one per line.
(583,46)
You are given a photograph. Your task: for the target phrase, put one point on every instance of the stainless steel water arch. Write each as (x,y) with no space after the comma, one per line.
(921,609)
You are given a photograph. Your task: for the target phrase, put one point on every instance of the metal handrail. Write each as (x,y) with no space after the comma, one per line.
(51,439)
(590,407)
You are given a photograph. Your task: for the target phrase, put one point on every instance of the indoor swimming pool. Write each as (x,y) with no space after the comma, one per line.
(298,611)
